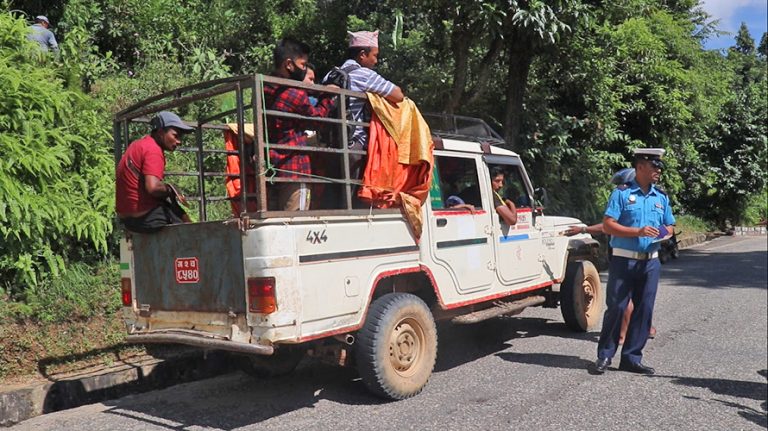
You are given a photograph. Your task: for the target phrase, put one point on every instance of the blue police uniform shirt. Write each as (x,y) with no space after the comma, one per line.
(631,208)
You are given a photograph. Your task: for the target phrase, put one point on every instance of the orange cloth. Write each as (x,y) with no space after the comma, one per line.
(407,127)
(232,183)
(399,170)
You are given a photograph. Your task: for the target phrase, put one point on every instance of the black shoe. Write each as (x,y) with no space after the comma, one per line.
(601,365)
(635,367)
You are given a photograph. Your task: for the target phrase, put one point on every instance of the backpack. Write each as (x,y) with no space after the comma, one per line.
(340,76)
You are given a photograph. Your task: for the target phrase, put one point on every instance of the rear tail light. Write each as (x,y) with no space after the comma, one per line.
(261,295)
(125,290)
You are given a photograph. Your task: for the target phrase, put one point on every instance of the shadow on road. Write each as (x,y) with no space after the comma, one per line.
(718,270)
(733,388)
(547,360)
(460,344)
(241,400)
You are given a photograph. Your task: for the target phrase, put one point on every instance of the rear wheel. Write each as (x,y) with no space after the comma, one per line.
(397,347)
(581,298)
(282,362)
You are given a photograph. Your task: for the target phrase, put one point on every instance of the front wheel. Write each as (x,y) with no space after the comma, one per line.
(581,298)
(397,347)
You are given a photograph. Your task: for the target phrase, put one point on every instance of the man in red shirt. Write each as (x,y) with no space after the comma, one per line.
(143,201)
(290,60)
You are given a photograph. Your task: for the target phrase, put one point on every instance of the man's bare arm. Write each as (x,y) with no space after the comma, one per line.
(509,216)
(155,187)
(396,96)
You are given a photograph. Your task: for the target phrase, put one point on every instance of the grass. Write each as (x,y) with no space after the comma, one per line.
(80,293)
(689,224)
(62,324)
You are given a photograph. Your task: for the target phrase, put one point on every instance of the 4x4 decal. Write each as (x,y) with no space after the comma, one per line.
(316,236)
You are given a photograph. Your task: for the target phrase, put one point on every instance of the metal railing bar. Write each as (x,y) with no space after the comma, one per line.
(174,92)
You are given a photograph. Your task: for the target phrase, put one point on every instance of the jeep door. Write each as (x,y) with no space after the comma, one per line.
(458,222)
(517,248)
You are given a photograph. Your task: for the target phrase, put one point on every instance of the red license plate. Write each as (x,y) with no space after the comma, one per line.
(187,270)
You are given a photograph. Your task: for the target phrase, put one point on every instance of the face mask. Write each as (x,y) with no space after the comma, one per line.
(297,73)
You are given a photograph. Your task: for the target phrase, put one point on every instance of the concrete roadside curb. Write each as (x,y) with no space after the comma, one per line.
(145,374)
(688,241)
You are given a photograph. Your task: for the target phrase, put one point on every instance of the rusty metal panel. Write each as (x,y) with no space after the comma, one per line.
(190,267)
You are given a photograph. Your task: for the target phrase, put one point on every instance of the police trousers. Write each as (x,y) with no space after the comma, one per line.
(638,280)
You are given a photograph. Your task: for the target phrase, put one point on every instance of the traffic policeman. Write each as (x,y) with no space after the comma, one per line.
(638,216)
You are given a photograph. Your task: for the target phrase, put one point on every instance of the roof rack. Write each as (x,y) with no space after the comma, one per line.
(459,126)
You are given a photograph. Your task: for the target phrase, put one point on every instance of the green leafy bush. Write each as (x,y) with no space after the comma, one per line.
(757,208)
(688,224)
(82,292)
(56,186)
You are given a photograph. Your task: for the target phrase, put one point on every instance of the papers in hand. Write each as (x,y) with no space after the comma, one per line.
(663,234)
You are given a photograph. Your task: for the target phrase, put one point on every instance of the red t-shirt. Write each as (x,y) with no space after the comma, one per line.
(148,158)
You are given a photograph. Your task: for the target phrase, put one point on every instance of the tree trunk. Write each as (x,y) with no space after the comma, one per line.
(519,58)
(484,70)
(460,41)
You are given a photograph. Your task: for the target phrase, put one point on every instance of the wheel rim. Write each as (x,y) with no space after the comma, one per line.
(406,347)
(589,297)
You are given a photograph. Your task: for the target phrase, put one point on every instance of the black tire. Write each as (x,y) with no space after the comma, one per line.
(675,253)
(397,347)
(280,363)
(581,296)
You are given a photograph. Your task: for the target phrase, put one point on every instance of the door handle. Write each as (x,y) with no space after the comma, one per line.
(442,222)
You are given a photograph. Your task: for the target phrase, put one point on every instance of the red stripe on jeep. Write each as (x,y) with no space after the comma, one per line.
(456,212)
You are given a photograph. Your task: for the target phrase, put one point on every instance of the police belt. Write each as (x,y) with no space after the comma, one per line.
(629,254)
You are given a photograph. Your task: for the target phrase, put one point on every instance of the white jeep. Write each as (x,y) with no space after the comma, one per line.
(353,285)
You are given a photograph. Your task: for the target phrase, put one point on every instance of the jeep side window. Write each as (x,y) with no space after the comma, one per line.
(458,183)
(516,190)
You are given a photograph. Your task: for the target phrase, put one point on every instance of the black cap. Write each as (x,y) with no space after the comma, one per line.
(169,119)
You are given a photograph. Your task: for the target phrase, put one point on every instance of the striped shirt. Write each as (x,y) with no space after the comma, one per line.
(364,80)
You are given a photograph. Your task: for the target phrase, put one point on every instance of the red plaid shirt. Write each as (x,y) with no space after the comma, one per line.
(289,131)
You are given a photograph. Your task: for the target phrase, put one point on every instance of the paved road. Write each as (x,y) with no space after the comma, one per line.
(526,372)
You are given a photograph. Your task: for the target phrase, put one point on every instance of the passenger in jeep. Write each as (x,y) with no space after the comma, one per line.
(290,61)
(145,203)
(504,207)
(362,57)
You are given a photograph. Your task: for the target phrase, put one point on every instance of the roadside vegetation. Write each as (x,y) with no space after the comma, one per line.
(573,86)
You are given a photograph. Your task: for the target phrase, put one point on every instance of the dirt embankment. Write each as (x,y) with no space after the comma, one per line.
(31,351)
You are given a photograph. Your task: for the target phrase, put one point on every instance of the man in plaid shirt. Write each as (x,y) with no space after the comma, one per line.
(290,58)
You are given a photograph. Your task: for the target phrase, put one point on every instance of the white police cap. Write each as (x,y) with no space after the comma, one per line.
(649,153)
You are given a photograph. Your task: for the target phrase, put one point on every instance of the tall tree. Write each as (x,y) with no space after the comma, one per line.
(744,42)
(534,26)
